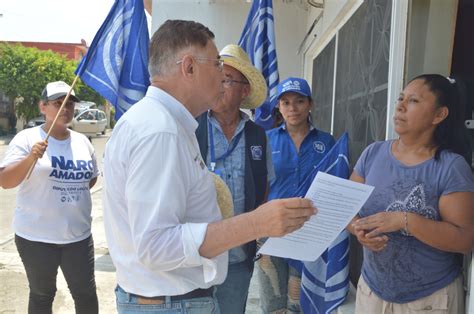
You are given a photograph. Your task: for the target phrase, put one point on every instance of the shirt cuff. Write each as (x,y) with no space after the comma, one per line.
(193,237)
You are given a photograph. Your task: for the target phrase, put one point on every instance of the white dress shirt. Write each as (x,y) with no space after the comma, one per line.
(158,201)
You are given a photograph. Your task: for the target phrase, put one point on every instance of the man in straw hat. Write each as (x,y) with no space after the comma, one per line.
(164,229)
(235,148)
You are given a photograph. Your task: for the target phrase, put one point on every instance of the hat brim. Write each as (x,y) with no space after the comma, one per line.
(274,101)
(59,95)
(258,85)
(224,197)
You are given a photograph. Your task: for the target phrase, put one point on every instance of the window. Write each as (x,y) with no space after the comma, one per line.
(323,79)
(361,77)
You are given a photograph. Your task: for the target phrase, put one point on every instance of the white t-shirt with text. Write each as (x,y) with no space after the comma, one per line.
(54,204)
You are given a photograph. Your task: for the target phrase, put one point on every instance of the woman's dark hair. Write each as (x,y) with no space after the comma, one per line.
(451,133)
(277,117)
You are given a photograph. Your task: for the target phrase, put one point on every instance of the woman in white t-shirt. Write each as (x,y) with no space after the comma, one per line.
(52,220)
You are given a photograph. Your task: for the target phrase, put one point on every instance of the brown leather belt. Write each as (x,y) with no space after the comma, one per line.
(198,293)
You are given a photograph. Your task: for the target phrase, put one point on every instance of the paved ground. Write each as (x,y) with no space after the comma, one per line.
(14,286)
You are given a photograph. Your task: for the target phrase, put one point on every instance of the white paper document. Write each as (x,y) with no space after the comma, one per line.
(338,201)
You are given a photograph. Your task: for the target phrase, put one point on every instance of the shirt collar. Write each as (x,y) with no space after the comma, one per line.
(243,115)
(243,119)
(177,109)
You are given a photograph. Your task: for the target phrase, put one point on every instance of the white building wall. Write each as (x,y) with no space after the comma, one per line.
(334,16)
(226,18)
(333,11)
(430,39)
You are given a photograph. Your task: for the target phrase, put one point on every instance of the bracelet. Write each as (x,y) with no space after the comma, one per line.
(407,233)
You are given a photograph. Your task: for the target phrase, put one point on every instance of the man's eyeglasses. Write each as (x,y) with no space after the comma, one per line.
(229,82)
(218,62)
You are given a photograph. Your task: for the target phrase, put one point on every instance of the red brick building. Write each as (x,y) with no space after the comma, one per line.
(72,51)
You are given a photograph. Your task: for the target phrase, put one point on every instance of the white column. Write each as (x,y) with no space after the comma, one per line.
(396,65)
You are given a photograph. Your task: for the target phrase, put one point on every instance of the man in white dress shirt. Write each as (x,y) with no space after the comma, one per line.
(164,229)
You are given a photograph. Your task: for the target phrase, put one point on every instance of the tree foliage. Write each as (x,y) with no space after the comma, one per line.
(24,72)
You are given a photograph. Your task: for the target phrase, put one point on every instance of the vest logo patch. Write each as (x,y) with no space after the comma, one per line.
(257,152)
(319,147)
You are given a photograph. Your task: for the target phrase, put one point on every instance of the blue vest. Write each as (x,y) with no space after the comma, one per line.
(255,170)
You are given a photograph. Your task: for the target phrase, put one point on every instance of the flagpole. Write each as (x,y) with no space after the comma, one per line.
(54,122)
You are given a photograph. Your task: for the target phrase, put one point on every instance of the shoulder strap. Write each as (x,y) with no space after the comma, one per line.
(201,134)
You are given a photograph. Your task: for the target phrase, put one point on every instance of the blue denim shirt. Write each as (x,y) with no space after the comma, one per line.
(232,169)
(293,167)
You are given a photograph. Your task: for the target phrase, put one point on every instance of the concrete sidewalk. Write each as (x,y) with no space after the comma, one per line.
(5,139)
(14,287)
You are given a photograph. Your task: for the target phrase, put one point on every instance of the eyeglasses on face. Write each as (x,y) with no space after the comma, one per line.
(217,62)
(229,82)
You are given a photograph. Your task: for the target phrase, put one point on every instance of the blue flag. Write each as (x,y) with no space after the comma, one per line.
(258,40)
(325,282)
(116,63)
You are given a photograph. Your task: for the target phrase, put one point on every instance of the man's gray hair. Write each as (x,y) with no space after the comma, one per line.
(171,38)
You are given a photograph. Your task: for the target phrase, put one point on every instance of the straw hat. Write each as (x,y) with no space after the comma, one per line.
(224,197)
(237,58)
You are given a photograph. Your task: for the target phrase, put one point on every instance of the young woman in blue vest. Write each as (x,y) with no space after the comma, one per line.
(420,216)
(297,146)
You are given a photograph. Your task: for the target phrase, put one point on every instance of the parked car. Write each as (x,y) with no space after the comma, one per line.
(90,122)
(83,105)
(35,122)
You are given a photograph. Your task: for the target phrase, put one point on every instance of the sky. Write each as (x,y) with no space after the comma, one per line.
(66,21)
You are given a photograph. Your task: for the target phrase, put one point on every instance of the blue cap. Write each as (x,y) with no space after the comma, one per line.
(293,84)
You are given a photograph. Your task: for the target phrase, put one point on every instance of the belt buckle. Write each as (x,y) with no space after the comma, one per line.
(149,301)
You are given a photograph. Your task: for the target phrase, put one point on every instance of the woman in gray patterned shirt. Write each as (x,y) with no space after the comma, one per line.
(420,215)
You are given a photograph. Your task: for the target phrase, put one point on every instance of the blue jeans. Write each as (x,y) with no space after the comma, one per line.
(232,293)
(280,285)
(127,304)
